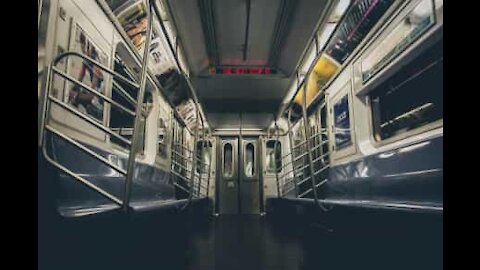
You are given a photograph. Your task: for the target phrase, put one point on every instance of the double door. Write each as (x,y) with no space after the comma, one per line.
(239,176)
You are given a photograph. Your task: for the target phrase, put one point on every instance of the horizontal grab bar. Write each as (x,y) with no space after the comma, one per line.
(89,120)
(93,91)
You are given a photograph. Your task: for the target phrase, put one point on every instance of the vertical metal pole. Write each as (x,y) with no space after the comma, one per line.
(209,169)
(279,194)
(307,142)
(138,112)
(292,156)
(194,163)
(320,132)
(200,160)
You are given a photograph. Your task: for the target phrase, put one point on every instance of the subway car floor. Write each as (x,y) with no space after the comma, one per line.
(196,240)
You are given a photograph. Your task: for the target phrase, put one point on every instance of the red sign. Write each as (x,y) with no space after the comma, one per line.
(242,71)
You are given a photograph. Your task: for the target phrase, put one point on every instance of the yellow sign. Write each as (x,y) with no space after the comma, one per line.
(322,72)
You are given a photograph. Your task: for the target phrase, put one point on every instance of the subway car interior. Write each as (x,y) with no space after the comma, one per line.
(240,134)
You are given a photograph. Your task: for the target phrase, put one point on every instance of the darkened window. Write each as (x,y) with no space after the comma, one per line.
(204,155)
(274,155)
(121,121)
(411,98)
(162,137)
(228,160)
(342,130)
(249,160)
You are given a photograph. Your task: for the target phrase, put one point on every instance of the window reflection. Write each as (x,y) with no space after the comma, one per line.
(228,160)
(274,154)
(250,160)
(204,154)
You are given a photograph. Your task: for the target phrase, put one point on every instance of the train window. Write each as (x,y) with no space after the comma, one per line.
(274,156)
(250,160)
(410,99)
(126,95)
(162,137)
(89,74)
(407,31)
(228,160)
(342,130)
(204,154)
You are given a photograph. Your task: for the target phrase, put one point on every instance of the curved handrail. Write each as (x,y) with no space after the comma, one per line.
(61,56)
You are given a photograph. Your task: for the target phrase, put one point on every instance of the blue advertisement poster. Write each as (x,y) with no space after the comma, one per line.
(342,123)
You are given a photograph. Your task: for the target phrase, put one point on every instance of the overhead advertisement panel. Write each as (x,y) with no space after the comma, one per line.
(357,23)
(323,70)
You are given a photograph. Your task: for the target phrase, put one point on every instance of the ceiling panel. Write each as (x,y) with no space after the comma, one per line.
(223,94)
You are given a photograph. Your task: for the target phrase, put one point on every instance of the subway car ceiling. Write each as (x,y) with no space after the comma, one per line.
(230,35)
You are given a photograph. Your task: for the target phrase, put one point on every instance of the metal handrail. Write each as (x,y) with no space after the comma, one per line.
(45,113)
(288,190)
(307,135)
(88,119)
(85,149)
(187,181)
(93,91)
(305,193)
(294,170)
(180,165)
(183,147)
(300,144)
(106,69)
(279,194)
(81,179)
(291,151)
(299,157)
(181,187)
(124,93)
(187,159)
(47,99)
(138,111)
(286,155)
(320,157)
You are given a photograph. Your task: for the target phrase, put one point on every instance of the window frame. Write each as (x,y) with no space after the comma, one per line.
(209,146)
(384,34)
(267,172)
(428,38)
(404,135)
